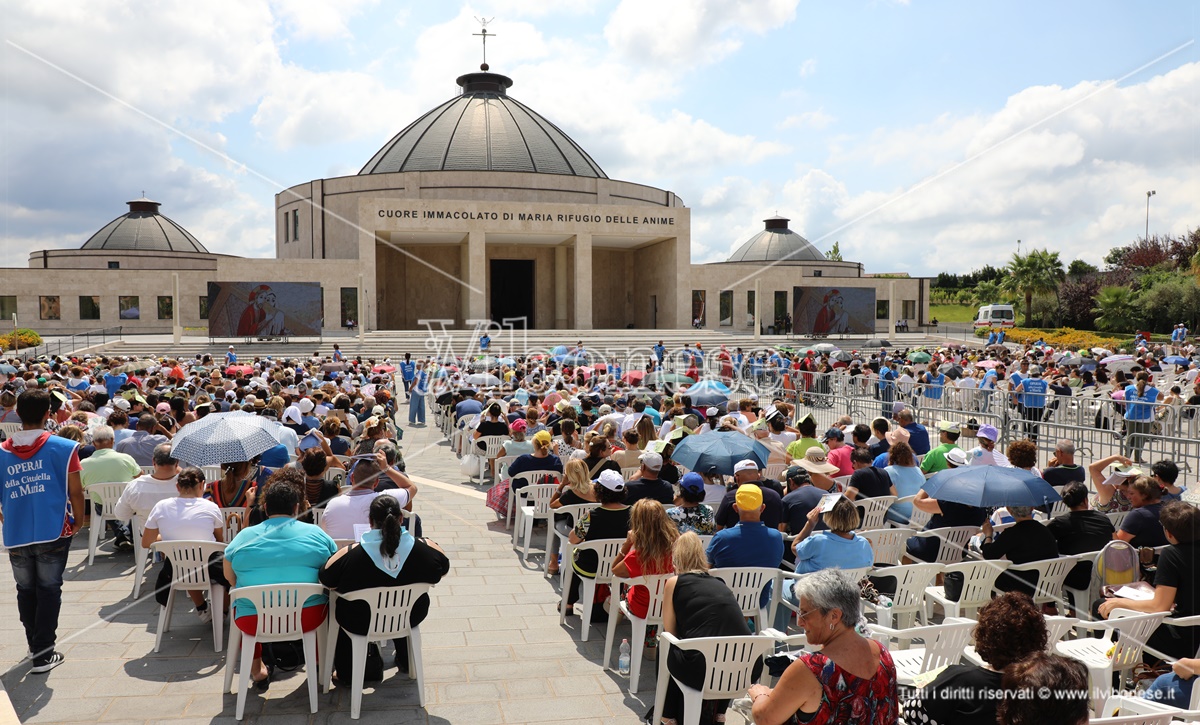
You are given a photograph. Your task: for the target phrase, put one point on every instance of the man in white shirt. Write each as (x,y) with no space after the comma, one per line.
(343,512)
(139,497)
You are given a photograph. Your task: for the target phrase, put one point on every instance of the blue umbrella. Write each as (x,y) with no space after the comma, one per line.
(721,450)
(558,350)
(1176,360)
(709,392)
(572,360)
(224,438)
(990,486)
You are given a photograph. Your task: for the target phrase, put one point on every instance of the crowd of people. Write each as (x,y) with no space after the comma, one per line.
(612,440)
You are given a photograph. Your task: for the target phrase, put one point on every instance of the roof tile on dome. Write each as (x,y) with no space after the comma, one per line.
(777,243)
(144,229)
(483,130)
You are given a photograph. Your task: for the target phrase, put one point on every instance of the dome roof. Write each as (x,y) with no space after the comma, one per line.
(143,229)
(777,243)
(483,130)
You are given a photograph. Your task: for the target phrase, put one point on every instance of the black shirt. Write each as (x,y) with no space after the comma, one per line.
(491,428)
(871,482)
(796,506)
(880,447)
(961,695)
(1143,523)
(652,488)
(727,515)
(1177,567)
(1063,475)
(669,473)
(1080,532)
(704,607)
(1021,543)
(354,571)
(602,524)
(596,465)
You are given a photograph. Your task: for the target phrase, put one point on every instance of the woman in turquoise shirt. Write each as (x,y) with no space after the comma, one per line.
(280,550)
(1140,399)
(906,477)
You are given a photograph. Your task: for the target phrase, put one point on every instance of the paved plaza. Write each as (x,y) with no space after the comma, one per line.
(493,648)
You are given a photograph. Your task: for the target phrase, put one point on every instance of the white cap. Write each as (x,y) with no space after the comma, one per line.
(305,405)
(121,404)
(611,480)
(712,412)
(651,460)
(745,464)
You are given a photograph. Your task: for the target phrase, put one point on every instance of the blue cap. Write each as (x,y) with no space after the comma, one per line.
(692,481)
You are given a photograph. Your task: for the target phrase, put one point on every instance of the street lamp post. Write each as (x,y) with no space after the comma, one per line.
(1148,195)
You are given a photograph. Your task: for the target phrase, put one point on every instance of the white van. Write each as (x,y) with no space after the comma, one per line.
(995,316)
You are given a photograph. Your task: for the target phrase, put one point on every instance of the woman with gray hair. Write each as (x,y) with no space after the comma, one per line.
(852,678)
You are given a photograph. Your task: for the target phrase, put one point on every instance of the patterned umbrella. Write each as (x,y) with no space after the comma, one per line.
(224,438)
(721,450)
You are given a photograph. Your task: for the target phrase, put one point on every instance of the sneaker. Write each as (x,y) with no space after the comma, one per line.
(205,615)
(45,664)
(123,545)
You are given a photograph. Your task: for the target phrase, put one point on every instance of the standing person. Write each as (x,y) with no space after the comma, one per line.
(337,354)
(1031,394)
(416,396)
(1139,415)
(408,372)
(41,510)
(230,357)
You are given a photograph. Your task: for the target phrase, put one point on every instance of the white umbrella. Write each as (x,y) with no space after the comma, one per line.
(224,438)
(484,379)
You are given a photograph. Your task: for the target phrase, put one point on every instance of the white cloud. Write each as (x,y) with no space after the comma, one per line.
(696,32)
(817,120)
(319,19)
(808,67)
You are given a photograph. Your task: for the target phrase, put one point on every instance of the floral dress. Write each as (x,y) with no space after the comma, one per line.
(699,519)
(849,699)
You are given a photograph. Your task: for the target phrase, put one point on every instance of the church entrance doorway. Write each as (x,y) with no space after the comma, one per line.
(512,292)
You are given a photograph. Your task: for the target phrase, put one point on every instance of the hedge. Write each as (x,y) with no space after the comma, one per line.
(25,336)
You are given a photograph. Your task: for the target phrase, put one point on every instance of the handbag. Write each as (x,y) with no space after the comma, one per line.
(497,497)
(469,465)
(952,582)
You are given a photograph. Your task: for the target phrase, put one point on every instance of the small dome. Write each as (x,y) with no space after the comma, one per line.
(143,229)
(777,243)
(483,130)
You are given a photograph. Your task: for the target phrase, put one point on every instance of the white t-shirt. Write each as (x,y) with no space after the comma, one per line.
(185,519)
(140,496)
(978,456)
(786,437)
(343,512)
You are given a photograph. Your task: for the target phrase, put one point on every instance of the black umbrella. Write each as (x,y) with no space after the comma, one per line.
(951,370)
(877,342)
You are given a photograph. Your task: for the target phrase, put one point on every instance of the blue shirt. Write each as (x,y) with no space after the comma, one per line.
(908,481)
(918,438)
(35,499)
(886,376)
(750,543)
(113,383)
(467,407)
(278,551)
(934,386)
(660,352)
(408,370)
(485,342)
(827,550)
(1034,395)
(1139,407)
(230,358)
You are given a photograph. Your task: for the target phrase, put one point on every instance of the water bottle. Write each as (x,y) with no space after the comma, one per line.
(885,601)
(623,659)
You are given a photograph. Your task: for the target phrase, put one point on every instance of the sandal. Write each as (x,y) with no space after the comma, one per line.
(264,683)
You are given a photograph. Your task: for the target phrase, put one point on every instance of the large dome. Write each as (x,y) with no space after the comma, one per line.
(143,229)
(777,243)
(483,130)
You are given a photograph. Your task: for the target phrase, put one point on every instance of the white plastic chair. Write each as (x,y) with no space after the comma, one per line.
(606,552)
(887,544)
(952,541)
(874,510)
(1123,710)
(107,495)
(979,577)
(1117,518)
(1132,630)
(529,478)
(492,447)
(189,572)
(1057,627)
(278,607)
(535,505)
(774,471)
(500,466)
(630,473)
(917,519)
(147,470)
(655,584)
(729,669)
(747,584)
(565,547)
(336,476)
(1051,573)
(211,473)
(391,608)
(9,428)
(236,518)
(944,645)
(842,482)
(778,600)
(141,555)
(1104,572)
(908,603)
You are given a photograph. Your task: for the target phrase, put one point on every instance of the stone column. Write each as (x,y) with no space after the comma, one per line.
(583,281)
(476,275)
(560,288)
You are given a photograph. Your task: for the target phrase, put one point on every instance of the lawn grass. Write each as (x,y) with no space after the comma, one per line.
(953,313)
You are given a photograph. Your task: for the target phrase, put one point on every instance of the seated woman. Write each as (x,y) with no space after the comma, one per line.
(945,514)
(851,680)
(837,548)
(689,512)
(493,425)
(540,460)
(906,477)
(1045,676)
(188,517)
(332,429)
(1174,584)
(387,556)
(1175,687)
(576,488)
(1141,526)
(1080,531)
(597,460)
(1010,629)
(696,605)
(609,521)
(1023,542)
(280,550)
(238,484)
(646,551)
(518,446)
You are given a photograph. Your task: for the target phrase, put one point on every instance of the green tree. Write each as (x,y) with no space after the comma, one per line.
(1116,309)
(987,293)
(1079,268)
(835,253)
(1048,274)
(1023,279)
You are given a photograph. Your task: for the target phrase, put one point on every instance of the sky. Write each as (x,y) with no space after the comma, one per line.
(920,136)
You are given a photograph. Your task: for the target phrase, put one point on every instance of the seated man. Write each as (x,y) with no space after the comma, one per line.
(648,484)
(139,497)
(346,510)
(1023,542)
(105,465)
(750,542)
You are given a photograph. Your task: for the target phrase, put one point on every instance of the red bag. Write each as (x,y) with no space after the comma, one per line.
(497,497)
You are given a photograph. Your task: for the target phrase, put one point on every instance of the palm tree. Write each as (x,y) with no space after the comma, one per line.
(1023,278)
(1116,309)
(987,293)
(1048,273)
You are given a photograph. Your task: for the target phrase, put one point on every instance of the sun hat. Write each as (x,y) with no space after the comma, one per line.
(749,497)
(305,405)
(956,457)
(896,435)
(816,462)
(987,430)
(711,412)
(948,426)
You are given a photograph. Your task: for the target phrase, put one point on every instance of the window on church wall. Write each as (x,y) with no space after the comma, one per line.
(89,307)
(781,310)
(750,308)
(699,311)
(726,304)
(909,308)
(349,299)
(49,307)
(166,308)
(129,308)
(8,307)
(204,307)
(287,227)
(883,309)
(295,225)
